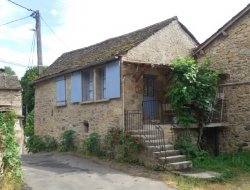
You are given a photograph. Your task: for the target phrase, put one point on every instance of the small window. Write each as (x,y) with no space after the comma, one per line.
(60,91)
(148,87)
(103,83)
(89,85)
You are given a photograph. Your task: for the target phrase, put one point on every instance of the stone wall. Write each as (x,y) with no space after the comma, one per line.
(11,100)
(53,120)
(134,84)
(231,54)
(164,46)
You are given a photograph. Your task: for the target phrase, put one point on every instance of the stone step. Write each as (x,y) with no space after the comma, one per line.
(156,142)
(142,132)
(167,152)
(173,159)
(148,137)
(180,165)
(161,147)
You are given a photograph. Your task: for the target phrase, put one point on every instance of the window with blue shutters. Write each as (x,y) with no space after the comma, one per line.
(89,85)
(60,91)
(76,87)
(103,82)
(113,80)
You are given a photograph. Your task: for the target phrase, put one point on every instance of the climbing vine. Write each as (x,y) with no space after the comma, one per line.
(192,91)
(11,158)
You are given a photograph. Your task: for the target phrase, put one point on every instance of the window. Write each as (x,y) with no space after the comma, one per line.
(102,73)
(60,91)
(89,85)
(76,87)
(148,87)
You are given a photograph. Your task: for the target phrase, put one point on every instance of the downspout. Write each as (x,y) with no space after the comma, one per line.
(123,101)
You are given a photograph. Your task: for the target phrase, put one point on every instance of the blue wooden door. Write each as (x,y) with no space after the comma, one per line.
(150,103)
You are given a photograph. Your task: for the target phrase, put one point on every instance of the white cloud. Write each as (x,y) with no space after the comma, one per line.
(54,12)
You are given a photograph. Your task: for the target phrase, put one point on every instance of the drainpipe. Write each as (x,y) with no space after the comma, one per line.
(123,101)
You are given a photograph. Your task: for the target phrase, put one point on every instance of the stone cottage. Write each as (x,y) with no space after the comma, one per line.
(90,89)
(11,100)
(229,51)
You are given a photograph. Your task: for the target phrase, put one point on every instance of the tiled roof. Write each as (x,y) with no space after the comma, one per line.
(104,51)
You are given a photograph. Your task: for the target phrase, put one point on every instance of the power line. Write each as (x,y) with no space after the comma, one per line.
(14,21)
(53,32)
(12,63)
(21,6)
(32,49)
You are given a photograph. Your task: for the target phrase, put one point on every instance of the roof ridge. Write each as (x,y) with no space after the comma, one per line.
(123,35)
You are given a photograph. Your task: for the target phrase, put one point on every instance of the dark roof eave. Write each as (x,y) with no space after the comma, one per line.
(222,29)
(74,69)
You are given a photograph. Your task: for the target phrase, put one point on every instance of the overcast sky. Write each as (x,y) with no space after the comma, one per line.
(80,23)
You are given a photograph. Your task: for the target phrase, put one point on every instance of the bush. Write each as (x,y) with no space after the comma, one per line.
(11,158)
(67,141)
(92,144)
(50,143)
(29,124)
(123,145)
(35,144)
(191,150)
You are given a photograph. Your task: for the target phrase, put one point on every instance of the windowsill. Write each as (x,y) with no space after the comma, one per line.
(62,105)
(95,101)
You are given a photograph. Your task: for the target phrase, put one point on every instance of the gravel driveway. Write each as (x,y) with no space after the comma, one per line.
(58,171)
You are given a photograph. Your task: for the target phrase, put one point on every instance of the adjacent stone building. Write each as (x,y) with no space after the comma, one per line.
(11,100)
(229,51)
(89,89)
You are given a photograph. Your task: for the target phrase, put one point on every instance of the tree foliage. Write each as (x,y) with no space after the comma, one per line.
(193,90)
(9,70)
(28,94)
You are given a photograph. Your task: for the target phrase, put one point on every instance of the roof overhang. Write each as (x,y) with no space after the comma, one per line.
(222,30)
(74,69)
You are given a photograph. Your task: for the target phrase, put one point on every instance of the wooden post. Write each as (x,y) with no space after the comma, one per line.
(39,42)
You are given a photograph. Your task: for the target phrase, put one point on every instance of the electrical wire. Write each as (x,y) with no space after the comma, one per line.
(31,56)
(12,63)
(14,21)
(21,6)
(52,31)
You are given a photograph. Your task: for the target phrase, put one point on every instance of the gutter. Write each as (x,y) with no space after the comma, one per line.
(74,69)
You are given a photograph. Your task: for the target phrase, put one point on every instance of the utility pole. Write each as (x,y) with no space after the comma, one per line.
(39,43)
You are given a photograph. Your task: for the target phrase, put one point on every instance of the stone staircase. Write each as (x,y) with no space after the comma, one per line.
(162,150)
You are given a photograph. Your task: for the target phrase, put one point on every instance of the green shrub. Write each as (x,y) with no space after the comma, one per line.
(122,145)
(29,124)
(92,144)
(67,141)
(35,144)
(11,158)
(50,143)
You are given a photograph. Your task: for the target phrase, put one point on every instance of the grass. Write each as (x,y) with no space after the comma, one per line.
(6,184)
(234,167)
(229,165)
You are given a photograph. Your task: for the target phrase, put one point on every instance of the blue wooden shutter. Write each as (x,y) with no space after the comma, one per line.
(76,87)
(113,80)
(60,91)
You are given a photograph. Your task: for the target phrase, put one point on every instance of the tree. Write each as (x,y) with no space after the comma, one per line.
(9,70)
(192,91)
(28,93)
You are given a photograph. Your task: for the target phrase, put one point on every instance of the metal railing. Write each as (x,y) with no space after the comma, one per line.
(149,129)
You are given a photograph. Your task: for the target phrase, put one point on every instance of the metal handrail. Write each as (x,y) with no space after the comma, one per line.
(153,133)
